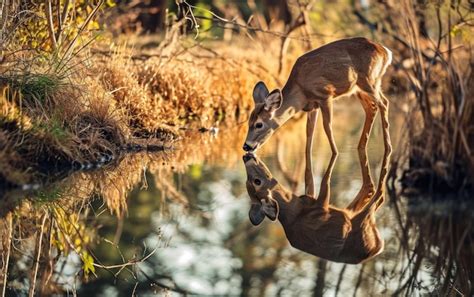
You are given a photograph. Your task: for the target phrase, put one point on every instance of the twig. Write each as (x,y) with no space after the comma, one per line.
(81,29)
(258,29)
(129,263)
(301,21)
(161,285)
(359,279)
(62,18)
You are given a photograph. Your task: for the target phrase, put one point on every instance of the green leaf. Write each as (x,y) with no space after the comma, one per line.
(87,263)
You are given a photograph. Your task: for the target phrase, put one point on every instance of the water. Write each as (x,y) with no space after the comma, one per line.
(177,223)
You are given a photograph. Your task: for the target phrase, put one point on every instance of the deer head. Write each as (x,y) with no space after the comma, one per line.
(261,122)
(260,183)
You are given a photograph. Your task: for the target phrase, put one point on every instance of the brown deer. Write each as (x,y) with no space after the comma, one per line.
(337,69)
(347,235)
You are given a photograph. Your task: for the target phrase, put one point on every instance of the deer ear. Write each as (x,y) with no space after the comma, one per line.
(256,214)
(271,209)
(273,100)
(260,92)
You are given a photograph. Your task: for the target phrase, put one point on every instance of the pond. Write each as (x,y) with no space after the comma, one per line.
(176,222)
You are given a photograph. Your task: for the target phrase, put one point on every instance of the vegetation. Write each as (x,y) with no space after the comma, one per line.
(62,107)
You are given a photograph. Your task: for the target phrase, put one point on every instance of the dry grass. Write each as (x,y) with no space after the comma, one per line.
(110,100)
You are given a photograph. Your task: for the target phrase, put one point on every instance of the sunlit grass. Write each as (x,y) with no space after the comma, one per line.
(78,116)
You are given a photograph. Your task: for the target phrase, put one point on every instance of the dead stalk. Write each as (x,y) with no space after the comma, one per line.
(7,256)
(49,19)
(31,292)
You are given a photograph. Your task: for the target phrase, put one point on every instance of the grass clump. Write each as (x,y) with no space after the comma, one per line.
(38,87)
(49,127)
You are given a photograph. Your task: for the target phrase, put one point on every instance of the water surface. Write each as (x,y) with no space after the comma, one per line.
(177,222)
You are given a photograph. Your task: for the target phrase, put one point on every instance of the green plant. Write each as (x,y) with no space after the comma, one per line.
(38,86)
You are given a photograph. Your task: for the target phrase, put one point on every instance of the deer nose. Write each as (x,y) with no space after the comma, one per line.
(247,147)
(247,157)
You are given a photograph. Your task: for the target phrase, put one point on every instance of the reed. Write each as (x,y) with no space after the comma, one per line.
(439,67)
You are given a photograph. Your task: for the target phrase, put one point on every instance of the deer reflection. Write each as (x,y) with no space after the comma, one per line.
(311,224)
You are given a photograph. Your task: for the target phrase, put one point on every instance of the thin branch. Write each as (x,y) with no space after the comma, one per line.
(339,280)
(259,29)
(129,263)
(175,287)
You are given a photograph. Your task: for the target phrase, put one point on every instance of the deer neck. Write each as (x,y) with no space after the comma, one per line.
(291,104)
(289,206)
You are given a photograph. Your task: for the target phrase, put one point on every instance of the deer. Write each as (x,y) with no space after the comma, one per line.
(346,235)
(337,69)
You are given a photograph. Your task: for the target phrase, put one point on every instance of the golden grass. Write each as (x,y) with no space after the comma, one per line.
(50,121)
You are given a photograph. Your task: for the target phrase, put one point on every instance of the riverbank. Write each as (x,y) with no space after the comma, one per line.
(109,101)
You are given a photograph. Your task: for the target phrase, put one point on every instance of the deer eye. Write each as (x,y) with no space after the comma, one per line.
(257,182)
(259,125)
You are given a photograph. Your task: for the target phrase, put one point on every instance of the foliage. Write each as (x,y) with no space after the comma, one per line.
(50,25)
(71,234)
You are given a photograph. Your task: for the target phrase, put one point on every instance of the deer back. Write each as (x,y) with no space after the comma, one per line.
(336,68)
(316,230)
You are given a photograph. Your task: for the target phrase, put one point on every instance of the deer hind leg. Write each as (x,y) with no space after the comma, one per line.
(367,190)
(375,94)
(377,200)
(308,173)
(373,91)
(326,110)
(383,107)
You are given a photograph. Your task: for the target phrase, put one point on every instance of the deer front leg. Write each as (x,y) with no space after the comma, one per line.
(326,110)
(325,188)
(377,200)
(312,118)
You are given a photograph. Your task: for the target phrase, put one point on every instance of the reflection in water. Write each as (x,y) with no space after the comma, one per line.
(179,220)
(347,235)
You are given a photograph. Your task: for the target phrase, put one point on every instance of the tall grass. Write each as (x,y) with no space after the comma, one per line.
(439,66)
(436,167)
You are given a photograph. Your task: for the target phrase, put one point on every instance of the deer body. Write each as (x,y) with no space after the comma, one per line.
(331,233)
(337,69)
(340,68)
